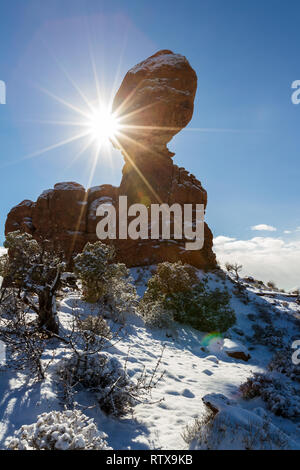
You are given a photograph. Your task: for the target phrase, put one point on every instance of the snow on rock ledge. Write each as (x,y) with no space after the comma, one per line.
(232,427)
(236,350)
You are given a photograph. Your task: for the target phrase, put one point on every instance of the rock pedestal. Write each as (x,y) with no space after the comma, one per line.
(154,102)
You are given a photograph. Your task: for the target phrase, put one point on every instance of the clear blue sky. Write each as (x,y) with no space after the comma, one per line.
(246,55)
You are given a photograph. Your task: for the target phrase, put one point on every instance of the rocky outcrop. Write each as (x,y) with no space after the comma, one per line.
(154,102)
(236,350)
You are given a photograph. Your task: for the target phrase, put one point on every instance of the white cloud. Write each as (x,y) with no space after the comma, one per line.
(264,227)
(264,258)
(288,232)
(221,240)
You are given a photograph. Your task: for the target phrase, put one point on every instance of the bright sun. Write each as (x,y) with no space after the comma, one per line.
(103,125)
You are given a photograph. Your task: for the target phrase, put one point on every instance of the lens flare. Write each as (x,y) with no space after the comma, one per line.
(212,341)
(103,125)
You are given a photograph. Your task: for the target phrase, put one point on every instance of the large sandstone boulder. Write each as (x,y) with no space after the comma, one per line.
(61,209)
(20,218)
(154,102)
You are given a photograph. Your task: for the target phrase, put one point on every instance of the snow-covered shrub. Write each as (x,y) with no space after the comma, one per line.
(268,336)
(22,248)
(241,292)
(252,317)
(203,309)
(68,281)
(278,392)
(223,433)
(170,278)
(21,335)
(96,325)
(228,426)
(221,274)
(156,315)
(92,268)
(121,299)
(59,430)
(282,362)
(34,268)
(197,431)
(107,379)
(265,312)
(106,282)
(177,288)
(101,374)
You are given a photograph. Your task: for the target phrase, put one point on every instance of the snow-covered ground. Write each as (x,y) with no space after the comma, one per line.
(195,364)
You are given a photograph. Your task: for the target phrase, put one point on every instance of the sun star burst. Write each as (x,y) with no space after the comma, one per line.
(103,125)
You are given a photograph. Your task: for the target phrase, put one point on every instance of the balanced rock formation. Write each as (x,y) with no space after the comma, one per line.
(154,102)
